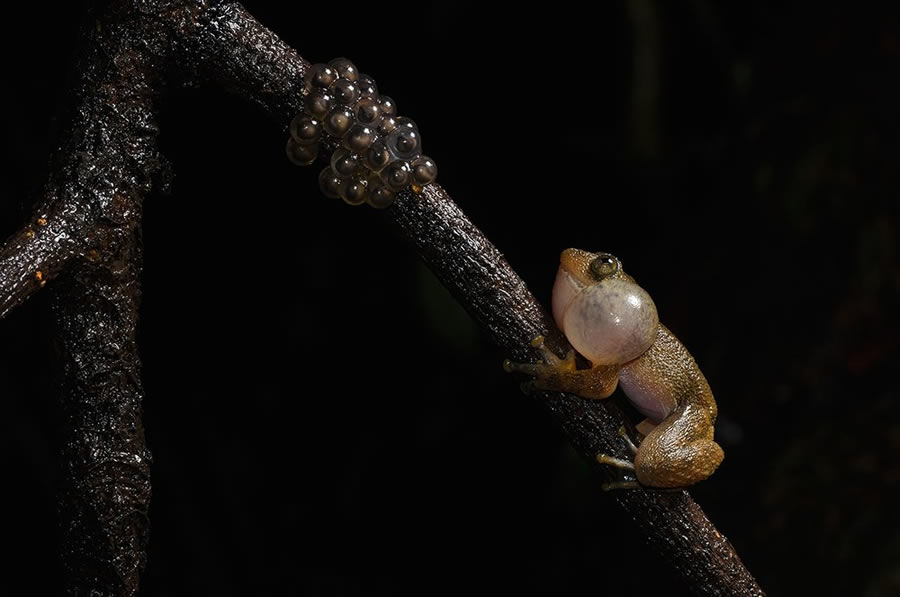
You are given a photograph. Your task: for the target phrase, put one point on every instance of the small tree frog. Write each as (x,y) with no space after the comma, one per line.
(613,323)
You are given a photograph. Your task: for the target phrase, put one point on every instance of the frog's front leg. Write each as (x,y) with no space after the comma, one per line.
(561,375)
(558,374)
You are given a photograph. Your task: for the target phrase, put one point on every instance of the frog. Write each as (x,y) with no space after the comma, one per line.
(613,323)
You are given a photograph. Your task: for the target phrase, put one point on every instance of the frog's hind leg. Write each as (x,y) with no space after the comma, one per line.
(672,455)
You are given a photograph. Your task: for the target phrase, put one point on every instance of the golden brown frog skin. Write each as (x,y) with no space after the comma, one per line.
(612,322)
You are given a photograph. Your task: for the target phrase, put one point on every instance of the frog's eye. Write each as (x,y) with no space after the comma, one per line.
(604,265)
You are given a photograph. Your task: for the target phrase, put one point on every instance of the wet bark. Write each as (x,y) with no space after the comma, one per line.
(87,232)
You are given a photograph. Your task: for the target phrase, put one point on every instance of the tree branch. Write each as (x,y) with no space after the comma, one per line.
(87,231)
(106,464)
(30,258)
(236,51)
(260,66)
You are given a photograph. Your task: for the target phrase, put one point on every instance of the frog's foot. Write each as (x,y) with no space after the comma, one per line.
(547,374)
(621,463)
(551,361)
(561,375)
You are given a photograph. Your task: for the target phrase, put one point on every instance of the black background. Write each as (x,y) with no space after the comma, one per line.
(326,420)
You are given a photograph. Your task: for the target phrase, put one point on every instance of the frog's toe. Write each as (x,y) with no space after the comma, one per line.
(616,462)
(619,463)
(533,369)
(528,387)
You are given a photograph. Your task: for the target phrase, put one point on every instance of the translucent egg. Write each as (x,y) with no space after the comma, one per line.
(387,124)
(344,163)
(320,76)
(302,155)
(353,191)
(368,111)
(305,130)
(397,175)
(330,184)
(379,195)
(367,86)
(344,68)
(377,156)
(388,106)
(339,121)
(344,91)
(318,104)
(359,138)
(404,142)
(424,170)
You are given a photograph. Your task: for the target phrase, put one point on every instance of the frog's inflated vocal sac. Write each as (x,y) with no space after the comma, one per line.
(612,322)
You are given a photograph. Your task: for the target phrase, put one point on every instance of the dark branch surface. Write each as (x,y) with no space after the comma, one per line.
(28,259)
(476,273)
(87,232)
(106,490)
(103,172)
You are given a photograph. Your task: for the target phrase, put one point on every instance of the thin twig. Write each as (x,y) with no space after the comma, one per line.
(31,257)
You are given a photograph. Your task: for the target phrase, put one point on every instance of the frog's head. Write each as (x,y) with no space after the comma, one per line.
(579,269)
(602,311)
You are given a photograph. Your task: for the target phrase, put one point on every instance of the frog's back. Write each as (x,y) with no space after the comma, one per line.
(665,379)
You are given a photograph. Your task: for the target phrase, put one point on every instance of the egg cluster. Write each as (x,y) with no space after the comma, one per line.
(375,153)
